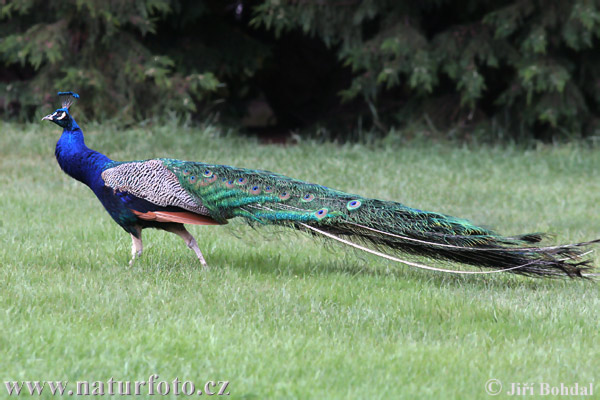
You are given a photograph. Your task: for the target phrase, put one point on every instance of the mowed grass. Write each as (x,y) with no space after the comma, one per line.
(279,315)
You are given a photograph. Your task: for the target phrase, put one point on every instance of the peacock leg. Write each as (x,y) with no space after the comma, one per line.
(187,237)
(136,246)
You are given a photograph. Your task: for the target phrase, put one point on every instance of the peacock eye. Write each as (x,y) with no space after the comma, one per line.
(353,204)
(322,213)
(308,197)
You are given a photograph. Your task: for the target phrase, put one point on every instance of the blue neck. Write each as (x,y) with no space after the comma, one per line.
(77,160)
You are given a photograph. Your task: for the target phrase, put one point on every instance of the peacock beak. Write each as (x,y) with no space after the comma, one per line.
(48,117)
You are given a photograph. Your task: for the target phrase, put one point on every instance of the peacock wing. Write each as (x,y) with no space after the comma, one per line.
(154,193)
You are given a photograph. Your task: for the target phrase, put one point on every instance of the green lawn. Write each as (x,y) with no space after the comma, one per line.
(280,315)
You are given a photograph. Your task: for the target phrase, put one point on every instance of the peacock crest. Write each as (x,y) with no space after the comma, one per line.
(67,99)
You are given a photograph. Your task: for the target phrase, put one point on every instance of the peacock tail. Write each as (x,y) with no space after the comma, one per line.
(386,228)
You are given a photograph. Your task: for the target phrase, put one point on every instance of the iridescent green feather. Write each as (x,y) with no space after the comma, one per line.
(235,192)
(229,192)
(268,198)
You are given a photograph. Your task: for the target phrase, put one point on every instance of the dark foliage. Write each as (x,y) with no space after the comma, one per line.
(522,66)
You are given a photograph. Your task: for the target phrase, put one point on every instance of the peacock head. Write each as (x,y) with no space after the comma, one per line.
(61,117)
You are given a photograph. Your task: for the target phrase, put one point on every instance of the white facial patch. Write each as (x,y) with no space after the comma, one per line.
(62,116)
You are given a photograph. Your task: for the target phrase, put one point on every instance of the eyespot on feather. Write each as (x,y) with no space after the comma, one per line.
(284,195)
(255,189)
(322,213)
(268,189)
(192,179)
(308,197)
(353,205)
(207,173)
(211,179)
(186,172)
(241,181)
(230,184)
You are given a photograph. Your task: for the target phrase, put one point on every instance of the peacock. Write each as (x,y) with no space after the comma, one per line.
(166,194)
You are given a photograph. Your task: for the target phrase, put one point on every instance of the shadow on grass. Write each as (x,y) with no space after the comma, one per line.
(283,253)
(357,265)
(338,259)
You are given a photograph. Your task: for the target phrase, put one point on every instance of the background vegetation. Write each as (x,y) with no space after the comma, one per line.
(280,315)
(502,69)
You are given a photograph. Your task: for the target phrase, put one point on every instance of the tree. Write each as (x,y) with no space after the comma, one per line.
(520,62)
(99,49)
(525,65)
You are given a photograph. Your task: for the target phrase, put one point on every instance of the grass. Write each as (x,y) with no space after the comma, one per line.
(279,315)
